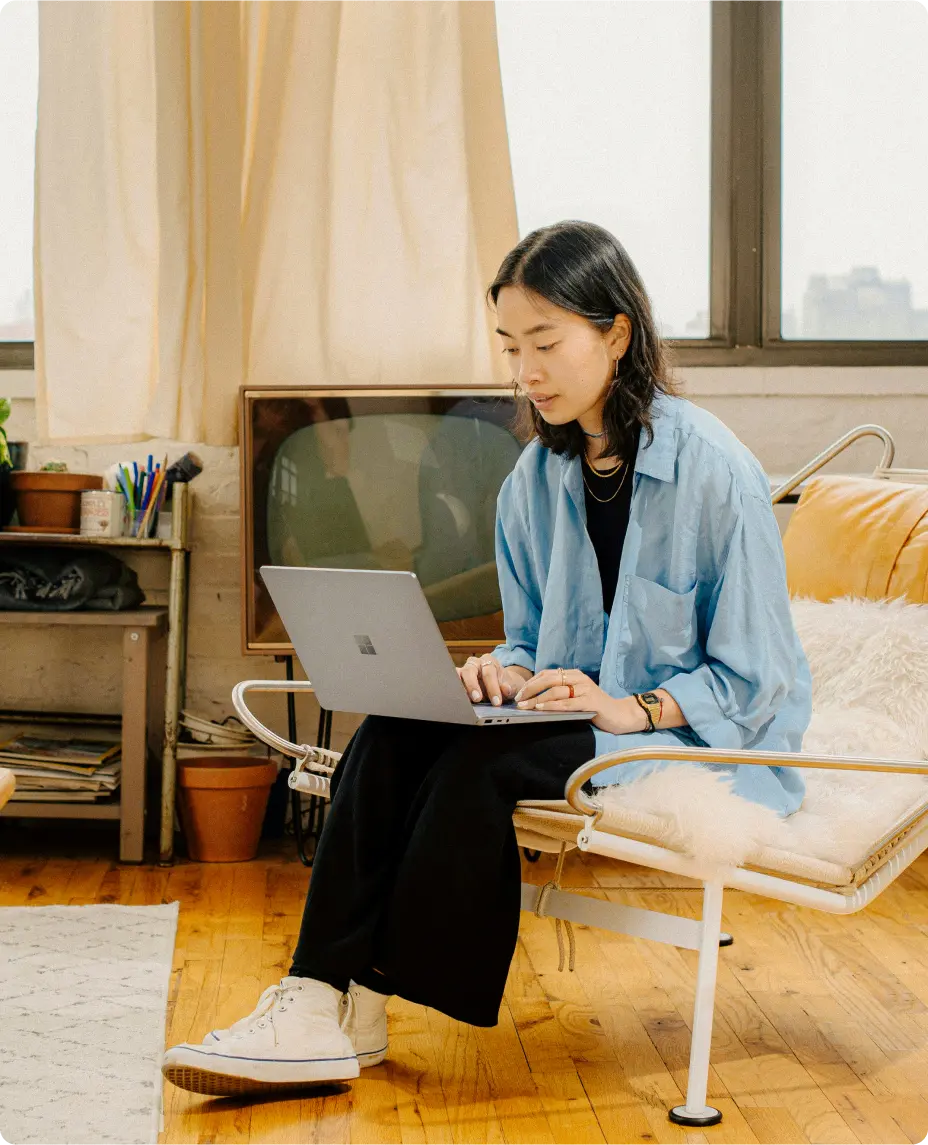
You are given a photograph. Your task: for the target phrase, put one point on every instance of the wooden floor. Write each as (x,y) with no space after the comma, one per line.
(820,1031)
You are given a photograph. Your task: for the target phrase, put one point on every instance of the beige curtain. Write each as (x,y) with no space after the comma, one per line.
(264,193)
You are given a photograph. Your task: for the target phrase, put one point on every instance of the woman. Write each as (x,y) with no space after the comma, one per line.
(642,578)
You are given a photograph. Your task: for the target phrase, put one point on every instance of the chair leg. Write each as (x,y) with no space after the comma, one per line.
(696,1112)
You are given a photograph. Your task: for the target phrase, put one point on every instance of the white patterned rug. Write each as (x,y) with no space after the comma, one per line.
(83,996)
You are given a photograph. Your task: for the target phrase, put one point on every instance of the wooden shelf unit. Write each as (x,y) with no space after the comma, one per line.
(140,627)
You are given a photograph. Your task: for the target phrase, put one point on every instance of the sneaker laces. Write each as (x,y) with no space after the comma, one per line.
(272,999)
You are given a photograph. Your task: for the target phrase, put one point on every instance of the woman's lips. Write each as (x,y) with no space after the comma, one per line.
(542,402)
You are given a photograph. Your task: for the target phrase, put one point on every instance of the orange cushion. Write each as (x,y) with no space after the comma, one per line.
(858,536)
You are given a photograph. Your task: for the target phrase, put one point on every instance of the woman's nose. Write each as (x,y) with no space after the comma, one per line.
(529,370)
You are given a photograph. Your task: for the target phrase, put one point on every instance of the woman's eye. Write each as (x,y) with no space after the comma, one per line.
(512,349)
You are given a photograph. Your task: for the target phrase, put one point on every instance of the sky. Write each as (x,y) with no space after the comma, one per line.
(608,109)
(855,116)
(607,106)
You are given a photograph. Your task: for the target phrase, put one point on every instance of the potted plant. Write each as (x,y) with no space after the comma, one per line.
(49,501)
(7,503)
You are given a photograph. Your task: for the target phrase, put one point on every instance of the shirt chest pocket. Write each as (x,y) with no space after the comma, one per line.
(659,636)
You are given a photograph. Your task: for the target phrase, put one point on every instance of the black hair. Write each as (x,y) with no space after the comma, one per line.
(584,268)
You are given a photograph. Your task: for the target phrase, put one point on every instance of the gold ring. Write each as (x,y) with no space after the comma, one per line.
(563,681)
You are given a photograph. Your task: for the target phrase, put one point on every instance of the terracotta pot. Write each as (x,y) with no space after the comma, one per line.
(51,500)
(222,804)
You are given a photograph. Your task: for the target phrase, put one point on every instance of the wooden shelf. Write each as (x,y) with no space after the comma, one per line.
(77,539)
(120,618)
(45,809)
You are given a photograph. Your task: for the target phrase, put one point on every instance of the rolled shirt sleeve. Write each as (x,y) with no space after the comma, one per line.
(518,586)
(751,657)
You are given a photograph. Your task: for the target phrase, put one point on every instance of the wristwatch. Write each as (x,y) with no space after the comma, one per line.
(653,707)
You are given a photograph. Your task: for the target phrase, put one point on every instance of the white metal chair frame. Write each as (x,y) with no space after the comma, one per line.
(315,765)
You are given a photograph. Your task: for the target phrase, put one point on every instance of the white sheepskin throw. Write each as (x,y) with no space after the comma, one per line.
(870,654)
(869,662)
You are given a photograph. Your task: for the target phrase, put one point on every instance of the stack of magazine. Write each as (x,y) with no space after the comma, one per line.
(61,769)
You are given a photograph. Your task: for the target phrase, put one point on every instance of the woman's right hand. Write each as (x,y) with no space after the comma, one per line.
(486,680)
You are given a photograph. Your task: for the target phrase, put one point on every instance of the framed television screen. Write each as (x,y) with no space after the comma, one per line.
(375,478)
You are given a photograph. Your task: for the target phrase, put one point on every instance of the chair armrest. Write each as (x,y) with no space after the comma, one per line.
(588,807)
(318,759)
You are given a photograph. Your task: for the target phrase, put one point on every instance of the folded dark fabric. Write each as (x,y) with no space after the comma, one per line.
(45,579)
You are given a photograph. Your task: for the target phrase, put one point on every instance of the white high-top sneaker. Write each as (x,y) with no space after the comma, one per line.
(362,1016)
(364,1020)
(292,1038)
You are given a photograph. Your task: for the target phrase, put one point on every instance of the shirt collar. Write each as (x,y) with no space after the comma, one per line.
(659,458)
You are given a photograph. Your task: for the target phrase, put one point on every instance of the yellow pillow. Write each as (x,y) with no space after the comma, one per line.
(858,536)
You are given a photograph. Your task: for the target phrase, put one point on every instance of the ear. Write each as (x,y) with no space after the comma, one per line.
(620,335)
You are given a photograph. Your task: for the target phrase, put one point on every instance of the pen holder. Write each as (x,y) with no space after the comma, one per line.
(142,528)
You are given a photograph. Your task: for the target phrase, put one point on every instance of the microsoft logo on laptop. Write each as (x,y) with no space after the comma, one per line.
(365,646)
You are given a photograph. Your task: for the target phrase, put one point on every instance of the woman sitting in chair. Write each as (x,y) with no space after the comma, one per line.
(642,578)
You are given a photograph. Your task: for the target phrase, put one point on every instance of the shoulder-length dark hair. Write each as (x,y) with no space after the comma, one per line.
(581,267)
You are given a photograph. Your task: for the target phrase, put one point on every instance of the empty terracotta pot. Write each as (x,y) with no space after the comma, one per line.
(51,500)
(222,804)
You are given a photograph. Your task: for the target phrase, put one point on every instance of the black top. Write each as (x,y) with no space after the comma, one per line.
(607,521)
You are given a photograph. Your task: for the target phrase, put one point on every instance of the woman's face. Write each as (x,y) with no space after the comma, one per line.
(558,359)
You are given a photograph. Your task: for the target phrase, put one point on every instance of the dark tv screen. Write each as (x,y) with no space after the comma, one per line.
(377,479)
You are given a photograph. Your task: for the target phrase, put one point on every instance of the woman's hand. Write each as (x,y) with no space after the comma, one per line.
(550,691)
(484,678)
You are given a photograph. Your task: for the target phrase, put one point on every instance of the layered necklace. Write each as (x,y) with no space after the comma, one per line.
(603,474)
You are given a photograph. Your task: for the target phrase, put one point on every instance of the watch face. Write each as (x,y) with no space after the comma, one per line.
(650,698)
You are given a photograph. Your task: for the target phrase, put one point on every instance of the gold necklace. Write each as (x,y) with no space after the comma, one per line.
(603,472)
(605,500)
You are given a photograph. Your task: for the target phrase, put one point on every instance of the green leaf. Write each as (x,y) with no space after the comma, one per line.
(4,409)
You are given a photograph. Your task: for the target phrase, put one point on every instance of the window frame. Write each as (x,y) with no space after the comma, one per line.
(745,196)
(744,225)
(17,355)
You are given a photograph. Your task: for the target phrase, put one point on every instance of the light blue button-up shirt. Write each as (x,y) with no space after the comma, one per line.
(701,607)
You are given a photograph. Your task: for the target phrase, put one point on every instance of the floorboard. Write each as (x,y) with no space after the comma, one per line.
(820,1034)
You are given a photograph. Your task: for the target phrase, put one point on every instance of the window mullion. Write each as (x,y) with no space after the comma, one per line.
(746,288)
(720,197)
(770,74)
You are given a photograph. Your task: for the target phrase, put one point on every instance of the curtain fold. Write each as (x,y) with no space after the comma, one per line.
(265,193)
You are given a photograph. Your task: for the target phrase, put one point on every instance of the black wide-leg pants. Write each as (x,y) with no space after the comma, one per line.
(415,886)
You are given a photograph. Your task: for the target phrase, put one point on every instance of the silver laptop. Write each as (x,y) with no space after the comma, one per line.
(369,643)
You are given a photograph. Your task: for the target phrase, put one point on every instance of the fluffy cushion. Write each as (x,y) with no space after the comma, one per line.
(869,662)
(869,654)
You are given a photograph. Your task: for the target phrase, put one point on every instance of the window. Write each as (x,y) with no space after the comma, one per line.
(855,171)
(764,166)
(608,116)
(18,95)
